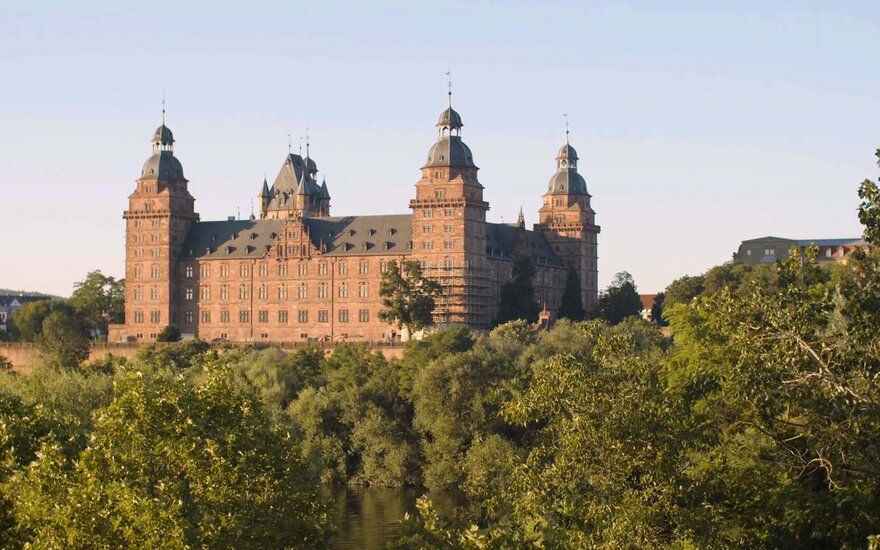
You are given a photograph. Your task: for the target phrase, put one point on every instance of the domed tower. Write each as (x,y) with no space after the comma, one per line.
(160,213)
(569,222)
(449,227)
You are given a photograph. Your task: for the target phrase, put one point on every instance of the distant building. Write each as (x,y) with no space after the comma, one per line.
(9,303)
(297,273)
(648,301)
(766,250)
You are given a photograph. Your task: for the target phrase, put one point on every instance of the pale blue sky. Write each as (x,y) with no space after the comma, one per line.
(698,124)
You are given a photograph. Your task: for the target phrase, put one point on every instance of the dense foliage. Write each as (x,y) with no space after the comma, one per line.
(407,296)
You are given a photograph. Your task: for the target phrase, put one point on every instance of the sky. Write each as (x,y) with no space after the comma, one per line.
(697,124)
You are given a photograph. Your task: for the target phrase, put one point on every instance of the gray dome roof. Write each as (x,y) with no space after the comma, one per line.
(567,182)
(450,119)
(567,152)
(163,135)
(450,151)
(162,165)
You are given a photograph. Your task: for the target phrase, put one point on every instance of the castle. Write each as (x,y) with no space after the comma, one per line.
(297,273)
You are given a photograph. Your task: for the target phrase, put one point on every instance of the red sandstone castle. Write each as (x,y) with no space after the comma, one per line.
(297,273)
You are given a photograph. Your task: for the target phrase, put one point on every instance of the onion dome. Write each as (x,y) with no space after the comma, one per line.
(566,180)
(162,165)
(450,119)
(163,136)
(450,151)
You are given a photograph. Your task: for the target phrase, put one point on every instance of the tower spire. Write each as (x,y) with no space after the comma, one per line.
(307,141)
(449,84)
(163,106)
(565,116)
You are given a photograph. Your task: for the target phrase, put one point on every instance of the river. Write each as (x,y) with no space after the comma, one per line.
(367,518)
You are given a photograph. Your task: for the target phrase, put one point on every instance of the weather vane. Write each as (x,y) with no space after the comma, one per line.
(449,84)
(565,116)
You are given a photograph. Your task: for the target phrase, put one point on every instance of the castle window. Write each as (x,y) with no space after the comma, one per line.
(427,229)
(282,292)
(224,292)
(155,317)
(264,270)
(448,245)
(383,266)
(243,270)
(363,290)
(302,316)
(154,238)
(188,317)
(138,293)
(224,316)
(448,264)
(138,252)
(224,270)
(322,316)
(263,316)
(138,272)
(364,315)
(428,213)
(343,290)
(448,212)
(282,270)
(243,292)
(322,268)
(188,294)
(302,291)
(263,292)
(244,316)
(206,293)
(322,290)
(155,253)
(363,268)
(206,316)
(282,316)
(343,268)
(138,317)
(439,193)
(343,315)
(154,293)
(303,269)
(427,245)
(447,227)
(154,271)
(206,271)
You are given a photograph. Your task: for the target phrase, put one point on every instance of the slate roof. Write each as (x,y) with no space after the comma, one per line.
(232,239)
(7,299)
(362,235)
(500,239)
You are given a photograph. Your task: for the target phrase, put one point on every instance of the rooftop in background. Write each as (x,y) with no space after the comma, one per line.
(769,249)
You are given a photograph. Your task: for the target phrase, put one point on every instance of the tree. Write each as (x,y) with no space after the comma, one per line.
(572,303)
(173,463)
(99,300)
(518,294)
(683,290)
(619,301)
(169,334)
(62,340)
(28,319)
(407,296)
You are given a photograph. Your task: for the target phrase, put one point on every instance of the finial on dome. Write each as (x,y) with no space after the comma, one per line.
(288,144)
(565,116)
(449,84)
(307,141)
(163,106)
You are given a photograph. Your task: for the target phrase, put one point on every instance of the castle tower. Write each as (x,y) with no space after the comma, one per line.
(569,222)
(295,190)
(159,215)
(449,228)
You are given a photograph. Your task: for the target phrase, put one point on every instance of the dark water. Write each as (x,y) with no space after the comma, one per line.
(369,517)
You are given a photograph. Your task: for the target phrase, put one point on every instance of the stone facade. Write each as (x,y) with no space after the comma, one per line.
(297,273)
